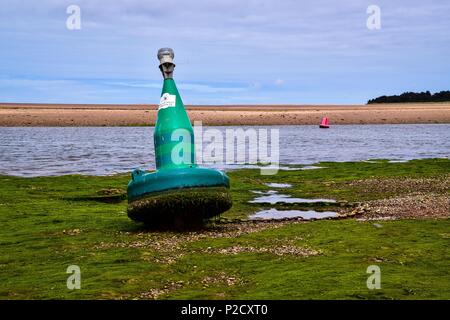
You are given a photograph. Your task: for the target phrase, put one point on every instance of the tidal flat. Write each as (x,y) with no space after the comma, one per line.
(392,215)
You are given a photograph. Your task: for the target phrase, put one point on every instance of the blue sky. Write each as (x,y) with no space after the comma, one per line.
(226,51)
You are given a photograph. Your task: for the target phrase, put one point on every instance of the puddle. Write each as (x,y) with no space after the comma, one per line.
(311,168)
(278,185)
(389,161)
(282,214)
(265,192)
(398,161)
(273,197)
(283,198)
(289,168)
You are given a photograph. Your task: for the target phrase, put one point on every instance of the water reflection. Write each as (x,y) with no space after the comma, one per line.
(283,214)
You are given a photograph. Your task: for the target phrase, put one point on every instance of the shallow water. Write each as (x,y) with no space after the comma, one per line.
(33,151)
(278,185)
(282,214)
(274,198)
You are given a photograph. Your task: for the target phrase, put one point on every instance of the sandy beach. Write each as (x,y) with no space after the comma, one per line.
(12,114)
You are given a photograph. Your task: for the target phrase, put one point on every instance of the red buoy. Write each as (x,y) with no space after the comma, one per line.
(325,124)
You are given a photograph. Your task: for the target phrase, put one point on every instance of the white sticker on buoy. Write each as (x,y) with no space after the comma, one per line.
(167,101)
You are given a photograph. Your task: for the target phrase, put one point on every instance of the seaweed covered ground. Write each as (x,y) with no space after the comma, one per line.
(392,215)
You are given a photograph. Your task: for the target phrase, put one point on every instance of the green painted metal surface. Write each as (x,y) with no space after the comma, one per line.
(173,137)
(174,153)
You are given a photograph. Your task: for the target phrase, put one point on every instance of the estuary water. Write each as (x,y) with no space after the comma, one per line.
(38,151)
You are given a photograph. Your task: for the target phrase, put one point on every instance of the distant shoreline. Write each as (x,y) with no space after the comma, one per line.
(26,114)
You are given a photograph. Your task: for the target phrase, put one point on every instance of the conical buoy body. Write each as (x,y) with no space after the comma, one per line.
(173,131)
(325,123)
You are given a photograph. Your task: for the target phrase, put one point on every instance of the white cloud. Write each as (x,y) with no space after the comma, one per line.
(223,46)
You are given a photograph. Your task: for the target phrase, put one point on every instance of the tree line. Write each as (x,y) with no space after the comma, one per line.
(413,97)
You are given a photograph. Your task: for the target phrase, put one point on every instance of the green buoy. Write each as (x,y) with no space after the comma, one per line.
(178,193)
